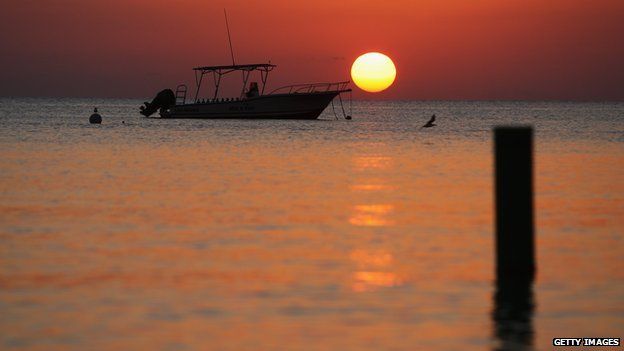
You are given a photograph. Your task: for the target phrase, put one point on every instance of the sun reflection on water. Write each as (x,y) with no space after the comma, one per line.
(373,162)
(370,187)
(372,215)
(373,271)
(371,281)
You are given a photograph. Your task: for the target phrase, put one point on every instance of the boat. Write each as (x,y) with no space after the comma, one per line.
(299,101)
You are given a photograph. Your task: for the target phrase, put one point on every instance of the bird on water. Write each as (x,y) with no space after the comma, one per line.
(430,123)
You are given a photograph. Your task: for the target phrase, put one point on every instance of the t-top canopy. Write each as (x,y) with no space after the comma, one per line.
(248,67)
(220,71)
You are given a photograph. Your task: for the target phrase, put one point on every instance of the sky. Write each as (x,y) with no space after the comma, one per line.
(442,49)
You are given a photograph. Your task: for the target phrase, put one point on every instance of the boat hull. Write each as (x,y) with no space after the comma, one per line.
(274,106)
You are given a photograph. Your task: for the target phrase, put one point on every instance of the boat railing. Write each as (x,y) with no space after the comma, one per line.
(311,88)
(180,94)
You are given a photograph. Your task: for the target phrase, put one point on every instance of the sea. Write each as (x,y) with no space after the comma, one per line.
(330,234)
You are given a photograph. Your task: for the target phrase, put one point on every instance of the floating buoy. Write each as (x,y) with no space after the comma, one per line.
(95,117)
(347,117)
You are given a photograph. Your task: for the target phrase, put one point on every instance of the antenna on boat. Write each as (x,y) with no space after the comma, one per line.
(229,37)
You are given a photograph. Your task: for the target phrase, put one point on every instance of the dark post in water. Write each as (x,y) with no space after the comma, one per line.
(515,254)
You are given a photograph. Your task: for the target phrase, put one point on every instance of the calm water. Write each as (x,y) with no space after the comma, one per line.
(299,235)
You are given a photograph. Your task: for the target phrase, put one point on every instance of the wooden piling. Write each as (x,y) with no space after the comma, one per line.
(515,253)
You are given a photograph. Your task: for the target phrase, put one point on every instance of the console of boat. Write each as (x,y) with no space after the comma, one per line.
(302,101)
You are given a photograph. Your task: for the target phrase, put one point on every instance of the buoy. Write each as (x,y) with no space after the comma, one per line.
(95,117)
(347,117)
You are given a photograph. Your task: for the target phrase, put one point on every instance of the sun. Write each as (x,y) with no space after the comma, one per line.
(373,72)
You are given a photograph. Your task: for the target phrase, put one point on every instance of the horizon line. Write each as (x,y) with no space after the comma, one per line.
(354,99)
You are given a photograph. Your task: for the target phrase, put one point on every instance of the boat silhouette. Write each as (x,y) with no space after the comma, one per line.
(299,101)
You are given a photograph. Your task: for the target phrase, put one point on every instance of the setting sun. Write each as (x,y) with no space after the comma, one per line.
(373,72)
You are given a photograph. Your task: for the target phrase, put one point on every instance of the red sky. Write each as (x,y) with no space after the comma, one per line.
(443,49)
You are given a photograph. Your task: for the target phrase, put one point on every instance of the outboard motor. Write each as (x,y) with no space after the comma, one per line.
(163,100)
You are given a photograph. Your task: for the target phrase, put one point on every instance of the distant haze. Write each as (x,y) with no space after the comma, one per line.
(443,49)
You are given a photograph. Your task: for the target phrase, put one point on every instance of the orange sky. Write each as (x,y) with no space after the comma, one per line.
(443,49)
